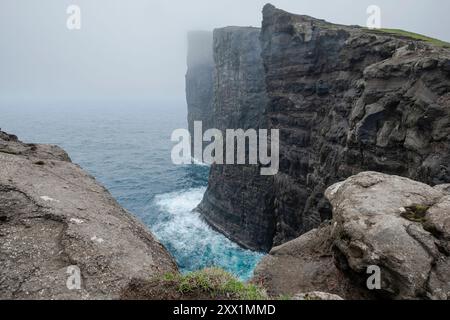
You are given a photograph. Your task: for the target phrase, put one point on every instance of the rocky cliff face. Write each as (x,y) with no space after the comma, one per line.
(238,200)
(389,222)
(346,100)
(54,216)
(199,79)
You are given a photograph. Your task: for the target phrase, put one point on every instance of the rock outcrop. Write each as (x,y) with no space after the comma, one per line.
(305,264)
(55,219)
(346,100)
(388,222)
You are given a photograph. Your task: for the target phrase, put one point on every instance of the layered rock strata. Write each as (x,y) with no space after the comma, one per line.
(346,100)
(199,80)
(238,199)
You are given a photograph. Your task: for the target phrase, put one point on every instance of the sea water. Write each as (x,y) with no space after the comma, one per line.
(126,147)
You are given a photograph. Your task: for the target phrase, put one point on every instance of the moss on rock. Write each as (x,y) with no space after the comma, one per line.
(416,213)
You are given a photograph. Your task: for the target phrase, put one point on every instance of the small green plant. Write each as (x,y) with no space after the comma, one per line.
(416,213)
(284,297)
(216,283)
(169,277)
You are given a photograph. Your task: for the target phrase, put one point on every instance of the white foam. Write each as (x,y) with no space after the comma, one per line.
(192,240)
(199,163)
(185,226)
(48,199)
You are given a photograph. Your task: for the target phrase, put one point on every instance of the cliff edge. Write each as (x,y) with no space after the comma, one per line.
(345,99)
(56,219)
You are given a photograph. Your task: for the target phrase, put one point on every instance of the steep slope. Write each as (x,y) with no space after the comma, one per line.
(238,199)
(346,100)
(199,79)
(55,218)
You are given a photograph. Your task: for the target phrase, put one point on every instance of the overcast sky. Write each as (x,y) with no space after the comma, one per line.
(136,49)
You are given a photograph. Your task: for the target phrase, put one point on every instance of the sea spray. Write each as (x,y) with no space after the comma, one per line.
(194,244)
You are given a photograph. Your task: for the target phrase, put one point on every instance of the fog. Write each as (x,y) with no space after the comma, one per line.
(135,50)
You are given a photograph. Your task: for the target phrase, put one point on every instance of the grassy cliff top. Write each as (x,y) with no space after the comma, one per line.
(415,36)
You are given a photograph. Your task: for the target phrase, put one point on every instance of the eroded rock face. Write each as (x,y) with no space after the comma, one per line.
(305,264)
(238,201)
(199,79)
(346,100)
(52,216)
(396,224)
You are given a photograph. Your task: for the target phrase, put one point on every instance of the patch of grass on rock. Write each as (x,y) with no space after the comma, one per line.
(207,284)
(416,213)
(415,36)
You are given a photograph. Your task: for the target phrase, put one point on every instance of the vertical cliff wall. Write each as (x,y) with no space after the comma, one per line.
(199,79)
(349,100)
(346,100)
(238,199)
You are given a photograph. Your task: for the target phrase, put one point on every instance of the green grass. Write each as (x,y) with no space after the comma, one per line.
(216,283)
(415,36)
(416,213)
(285,297)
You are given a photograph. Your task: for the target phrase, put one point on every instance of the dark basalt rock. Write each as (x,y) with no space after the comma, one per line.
(199,79)
(346,100)
(239,102)
(379,101)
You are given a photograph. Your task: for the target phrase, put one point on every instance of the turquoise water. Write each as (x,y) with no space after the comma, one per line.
(127,148)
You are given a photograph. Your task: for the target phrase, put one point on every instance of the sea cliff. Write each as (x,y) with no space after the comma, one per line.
(345,99)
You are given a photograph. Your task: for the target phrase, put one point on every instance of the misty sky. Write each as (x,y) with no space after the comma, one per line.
(136,49)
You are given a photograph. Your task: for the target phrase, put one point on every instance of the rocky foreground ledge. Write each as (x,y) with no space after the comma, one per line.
(396,224)
(55,218)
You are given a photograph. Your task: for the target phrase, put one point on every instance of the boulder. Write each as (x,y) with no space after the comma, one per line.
(380,222)
(305,264)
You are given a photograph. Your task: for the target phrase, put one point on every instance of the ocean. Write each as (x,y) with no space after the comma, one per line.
(127,148)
